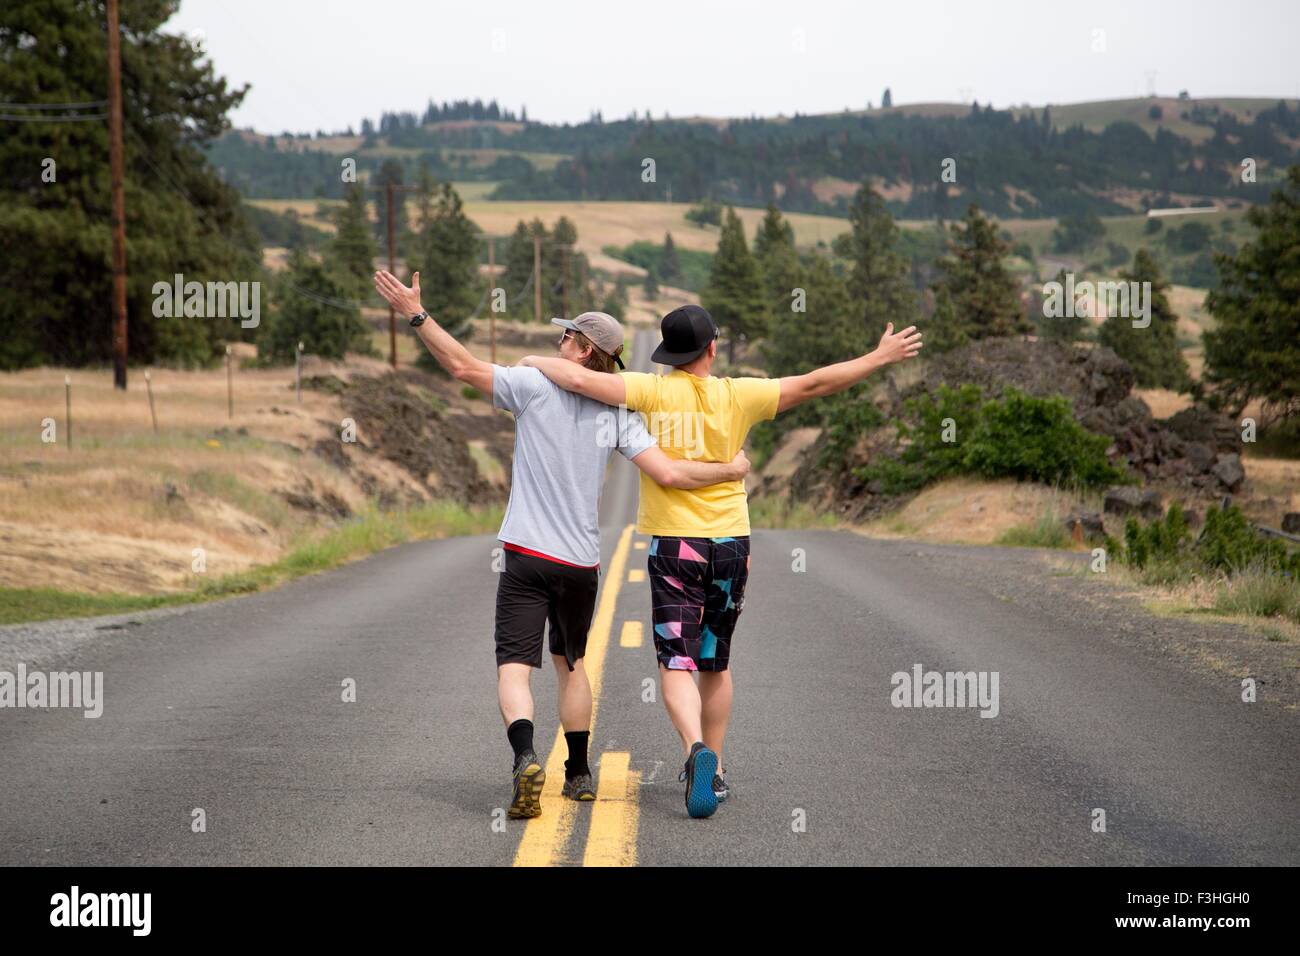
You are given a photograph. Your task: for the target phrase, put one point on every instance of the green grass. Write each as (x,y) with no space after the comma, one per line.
(371,531)
(1260,594)
(1046,531)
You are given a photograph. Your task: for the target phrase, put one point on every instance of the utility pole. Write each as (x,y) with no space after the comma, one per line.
(537,278)
(392,315)
(117,220)
(564,283)
(492,284)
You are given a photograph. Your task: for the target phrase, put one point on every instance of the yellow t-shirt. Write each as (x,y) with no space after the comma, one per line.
(705,419)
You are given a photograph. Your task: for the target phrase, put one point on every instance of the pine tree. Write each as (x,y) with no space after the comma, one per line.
(826,331)
(945,330)
(181,217)
(984,296)
(351,252)
(878,282)
(311,304)
(1254,351)
(887,100)
(734,294)
(1064,327)
(425,185)
(1152,351)
(651,285)
(517,276)
(779,261)
(448,257)
(670,266)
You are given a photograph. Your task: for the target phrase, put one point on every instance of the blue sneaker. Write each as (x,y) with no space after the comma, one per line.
(701,766)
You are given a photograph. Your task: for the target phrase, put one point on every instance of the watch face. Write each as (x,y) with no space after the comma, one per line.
(418,320)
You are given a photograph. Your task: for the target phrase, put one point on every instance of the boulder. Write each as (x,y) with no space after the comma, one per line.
(1151,505)
(1227,468)
(1122,500)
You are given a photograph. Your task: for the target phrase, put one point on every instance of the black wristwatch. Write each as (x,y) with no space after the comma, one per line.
(417,320)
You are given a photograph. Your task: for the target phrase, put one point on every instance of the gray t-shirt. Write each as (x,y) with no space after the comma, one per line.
(562,445)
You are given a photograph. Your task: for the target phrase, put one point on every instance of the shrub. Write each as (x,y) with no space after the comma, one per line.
(1015,436)
(706,213)
(1231,544)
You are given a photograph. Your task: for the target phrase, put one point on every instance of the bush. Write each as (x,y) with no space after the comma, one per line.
(706,213)
(1015,436)
(1037,439)
(1231,544)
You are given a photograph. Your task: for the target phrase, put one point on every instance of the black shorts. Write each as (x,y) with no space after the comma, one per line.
(697,591)
(533,591)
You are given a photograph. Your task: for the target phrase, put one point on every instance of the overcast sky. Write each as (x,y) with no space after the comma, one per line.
(327,63)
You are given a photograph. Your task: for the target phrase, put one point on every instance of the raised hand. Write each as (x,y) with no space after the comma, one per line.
(898,346)
(400,297)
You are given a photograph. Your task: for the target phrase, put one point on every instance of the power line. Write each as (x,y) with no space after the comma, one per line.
(53,106)
(19,118)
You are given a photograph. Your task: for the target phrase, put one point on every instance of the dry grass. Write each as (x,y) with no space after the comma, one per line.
(123,507)
(970,511)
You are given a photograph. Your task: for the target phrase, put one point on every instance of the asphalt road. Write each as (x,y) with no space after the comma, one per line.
(236,708)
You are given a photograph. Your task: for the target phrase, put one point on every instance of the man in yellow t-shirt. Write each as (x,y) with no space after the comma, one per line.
(698,561)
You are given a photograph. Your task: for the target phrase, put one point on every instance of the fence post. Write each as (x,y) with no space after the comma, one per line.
(148,385)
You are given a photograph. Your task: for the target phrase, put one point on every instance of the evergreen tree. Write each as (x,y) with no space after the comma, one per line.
(1063,328)
(351,252)
(448,257)
(945,330)
(1254,350)
(57,305)
(561,267)
(826,332)
(312,304)
(1152,351)
(517,277)
(651,285)
(887,100)
(425,186)
(984,296)
(878,280)
(670,266)
(778,260)
(734,295)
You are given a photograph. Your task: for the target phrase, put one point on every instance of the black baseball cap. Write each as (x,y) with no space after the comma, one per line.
(687,332)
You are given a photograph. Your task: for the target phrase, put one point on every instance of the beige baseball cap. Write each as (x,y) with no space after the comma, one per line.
(603,330)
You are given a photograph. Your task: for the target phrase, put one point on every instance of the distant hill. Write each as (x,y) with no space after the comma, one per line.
(1106,158)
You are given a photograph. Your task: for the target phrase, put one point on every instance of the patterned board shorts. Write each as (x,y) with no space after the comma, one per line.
(697,591)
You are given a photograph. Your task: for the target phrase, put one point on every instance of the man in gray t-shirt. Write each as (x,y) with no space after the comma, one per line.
(550,533)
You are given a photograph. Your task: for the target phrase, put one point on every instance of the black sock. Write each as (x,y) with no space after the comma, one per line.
(521,736)
(577,762)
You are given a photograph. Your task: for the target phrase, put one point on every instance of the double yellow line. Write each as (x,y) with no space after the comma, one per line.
(611,840)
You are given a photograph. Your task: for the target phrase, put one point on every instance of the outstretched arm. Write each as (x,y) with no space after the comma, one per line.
(893,347)
(451,355)
(572,377)
(680,473)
